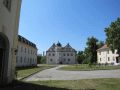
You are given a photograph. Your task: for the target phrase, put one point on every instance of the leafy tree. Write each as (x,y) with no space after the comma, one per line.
(86,56)
(41,59)
(80,57)
(113,35)
(91,52)
(100,44)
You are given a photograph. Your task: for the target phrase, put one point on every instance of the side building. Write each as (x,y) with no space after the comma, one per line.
(57,54)
(27,53)
(105,55)
(9,23)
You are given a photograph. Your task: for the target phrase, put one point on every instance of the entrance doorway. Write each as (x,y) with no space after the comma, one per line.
(4,53)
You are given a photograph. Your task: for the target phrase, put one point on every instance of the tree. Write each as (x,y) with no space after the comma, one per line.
(100,44)
(41,59)
(80,57)
(113,36)
(91,49)
(86,56)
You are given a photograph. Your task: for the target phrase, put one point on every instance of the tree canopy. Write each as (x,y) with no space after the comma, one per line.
(113,35)
(91,49)
(80,57)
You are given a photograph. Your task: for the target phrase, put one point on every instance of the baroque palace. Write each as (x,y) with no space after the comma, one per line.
(57,54)
(27,53)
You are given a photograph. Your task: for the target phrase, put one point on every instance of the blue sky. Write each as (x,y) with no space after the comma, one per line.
(47,21)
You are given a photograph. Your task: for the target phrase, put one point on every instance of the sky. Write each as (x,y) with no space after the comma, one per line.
(45,22)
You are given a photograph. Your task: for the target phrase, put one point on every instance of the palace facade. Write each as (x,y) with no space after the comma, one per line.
(57,54)
(27,53)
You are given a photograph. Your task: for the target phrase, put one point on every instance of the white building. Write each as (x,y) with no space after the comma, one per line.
(9,22)
(105,55)
(57,54)
(27,53)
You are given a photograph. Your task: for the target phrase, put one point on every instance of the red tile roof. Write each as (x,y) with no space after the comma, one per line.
(103,47)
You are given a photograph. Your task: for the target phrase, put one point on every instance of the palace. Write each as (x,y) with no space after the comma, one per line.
(9,23)
(57,54)
(27,53)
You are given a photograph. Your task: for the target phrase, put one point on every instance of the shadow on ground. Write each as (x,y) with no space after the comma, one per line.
(19,85)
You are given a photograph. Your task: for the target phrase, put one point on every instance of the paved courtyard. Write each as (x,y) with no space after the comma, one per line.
(54,74)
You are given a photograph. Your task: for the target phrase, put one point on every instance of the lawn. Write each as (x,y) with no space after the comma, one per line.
(89,84)
(26,71)
(86,67)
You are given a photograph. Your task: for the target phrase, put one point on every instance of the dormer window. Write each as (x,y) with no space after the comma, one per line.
(7,4)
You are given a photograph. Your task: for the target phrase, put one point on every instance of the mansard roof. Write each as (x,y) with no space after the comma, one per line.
(52,47)
(58,47)
(68,46)
(24,40)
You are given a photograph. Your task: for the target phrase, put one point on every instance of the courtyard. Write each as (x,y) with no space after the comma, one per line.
(56,74)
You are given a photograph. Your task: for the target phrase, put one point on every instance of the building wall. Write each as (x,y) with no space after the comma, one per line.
(106,56)
(9,22)
(26,56)
(57,57)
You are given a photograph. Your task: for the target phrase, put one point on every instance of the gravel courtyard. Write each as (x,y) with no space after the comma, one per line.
(54,74)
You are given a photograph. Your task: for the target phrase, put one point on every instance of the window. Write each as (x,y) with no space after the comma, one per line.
(7,4)
(53,54)
(64,54)
(67,54)
(28,60)
(108,51)
(51,60)
(21,59)
(21,49)
(24,59)
(25,50)
(16,57)
(68,59)
(49,54)
(100,59)
(16,61)
(108,58)
(71,54)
